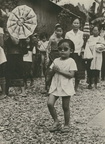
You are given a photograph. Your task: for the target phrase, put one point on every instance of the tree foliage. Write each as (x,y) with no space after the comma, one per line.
(65,20)
(65,17)
(55,1)
(8,4)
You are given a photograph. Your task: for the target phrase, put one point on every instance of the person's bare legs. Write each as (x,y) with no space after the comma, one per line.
(66,109)
(42,64)
(51,102)
(23,92)
(3,87)
(76,84)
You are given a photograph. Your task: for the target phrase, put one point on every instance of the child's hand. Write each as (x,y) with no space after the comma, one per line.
(56,69)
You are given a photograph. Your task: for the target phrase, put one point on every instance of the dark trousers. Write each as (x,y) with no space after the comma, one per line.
(94,76)
(103,66)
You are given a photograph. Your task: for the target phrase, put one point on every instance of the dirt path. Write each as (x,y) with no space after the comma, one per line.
(25,120)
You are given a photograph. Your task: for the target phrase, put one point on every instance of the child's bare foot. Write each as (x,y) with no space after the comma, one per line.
(44,92)
(65,129)
(89,86)
(95,86)
(2,128)
(56,127)
(3,96)
(32,84)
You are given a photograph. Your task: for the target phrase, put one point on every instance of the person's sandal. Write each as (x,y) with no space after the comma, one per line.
(23,94)
(55,128)
(65,129)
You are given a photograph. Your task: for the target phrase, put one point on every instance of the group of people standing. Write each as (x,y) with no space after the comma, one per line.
(60,61)
(68,63)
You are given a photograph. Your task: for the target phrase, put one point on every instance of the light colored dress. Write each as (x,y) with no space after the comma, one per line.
(96,63)
(2,56)
(28,57)
(53,42)
(77,39)
(60,85)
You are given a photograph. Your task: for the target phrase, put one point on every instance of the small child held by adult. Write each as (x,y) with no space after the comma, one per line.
(63,69)
(42,45)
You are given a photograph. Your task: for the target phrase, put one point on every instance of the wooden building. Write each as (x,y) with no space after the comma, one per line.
(47,14)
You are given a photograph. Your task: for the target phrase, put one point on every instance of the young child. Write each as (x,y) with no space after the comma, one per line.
(96,45)
(28,62)
(52,49)
(63,69)
(43,43)
(53,42)
(2,73)
(37,56)
(2,64)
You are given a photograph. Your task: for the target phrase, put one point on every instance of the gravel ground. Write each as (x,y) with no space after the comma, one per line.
(25,120)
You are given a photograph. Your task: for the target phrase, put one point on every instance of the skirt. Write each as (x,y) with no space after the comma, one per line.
(27,70)
(52,56)
(14,70)
(94,76)
(37,66)
(80,74)
(2,73)
(103,66)
(3,70)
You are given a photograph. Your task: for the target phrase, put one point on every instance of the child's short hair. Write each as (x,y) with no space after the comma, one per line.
(43,35)
(57,26)
(71,44)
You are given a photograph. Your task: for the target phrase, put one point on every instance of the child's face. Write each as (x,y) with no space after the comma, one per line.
(59,31)
(35,38)
(64,50)
(95,31)
(28,40)
(44,39)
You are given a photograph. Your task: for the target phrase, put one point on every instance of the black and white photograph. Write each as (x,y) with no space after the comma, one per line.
(52,71)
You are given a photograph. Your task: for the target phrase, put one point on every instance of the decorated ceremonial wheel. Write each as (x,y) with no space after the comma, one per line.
(22,22)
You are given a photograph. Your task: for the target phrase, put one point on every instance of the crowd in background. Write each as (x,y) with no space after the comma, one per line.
(58,59)
(23,60)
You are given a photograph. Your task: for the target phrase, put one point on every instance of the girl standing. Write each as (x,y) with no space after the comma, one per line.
(52,49)
(14,68)
(2,73)
(43,43)
(95,43)
(28,61)
(53,43)
(37,56)
(63,69)
(2,63)
(103,67)
(77,37)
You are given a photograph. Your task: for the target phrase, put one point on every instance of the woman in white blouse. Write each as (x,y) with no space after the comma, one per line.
(77,37)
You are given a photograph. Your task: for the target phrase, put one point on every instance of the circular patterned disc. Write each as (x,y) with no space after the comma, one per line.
(22,22)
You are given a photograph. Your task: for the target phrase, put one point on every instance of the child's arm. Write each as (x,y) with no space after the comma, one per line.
(49,74)
(67,74)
